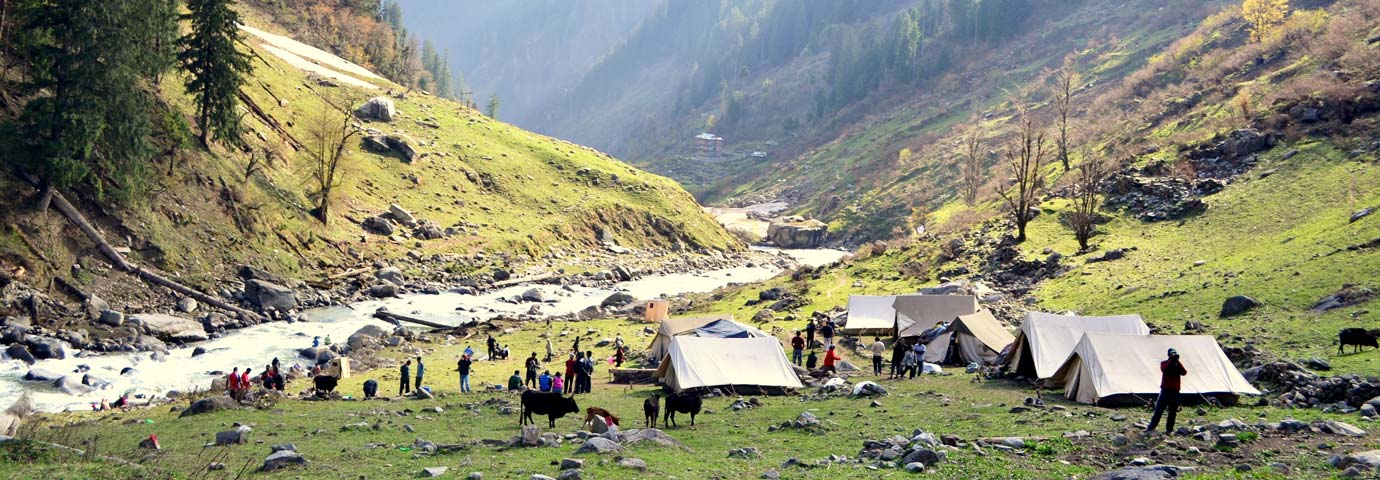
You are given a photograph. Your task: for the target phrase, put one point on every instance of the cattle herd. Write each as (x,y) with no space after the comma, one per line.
(555,406)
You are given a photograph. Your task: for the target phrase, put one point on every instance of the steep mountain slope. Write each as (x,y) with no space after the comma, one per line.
(486,186)
(1245,169)
(527,53)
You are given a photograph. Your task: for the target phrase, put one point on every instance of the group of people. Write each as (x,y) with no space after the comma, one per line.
(270,378)
(496,351)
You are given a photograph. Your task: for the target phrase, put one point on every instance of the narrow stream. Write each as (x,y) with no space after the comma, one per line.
(257,345)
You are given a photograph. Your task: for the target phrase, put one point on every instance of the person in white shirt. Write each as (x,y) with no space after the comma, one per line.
(878,349)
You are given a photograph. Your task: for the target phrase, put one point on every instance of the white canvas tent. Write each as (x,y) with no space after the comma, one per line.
(1108,368)
(976,338)
(661,343)
(870,315)
(699,362)
(917,313)
(1047,339)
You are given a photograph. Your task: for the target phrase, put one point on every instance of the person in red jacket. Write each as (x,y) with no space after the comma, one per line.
(245,384)
(830,357)
(232,383)
(1171,373)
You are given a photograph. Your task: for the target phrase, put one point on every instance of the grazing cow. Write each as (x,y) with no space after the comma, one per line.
(651,407)
(1359,337)
(592,412)
(684,402)
(325,384)
(553,405)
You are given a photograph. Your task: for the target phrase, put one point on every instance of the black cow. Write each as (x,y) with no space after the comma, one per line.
(651,407)
(684,402)
(371,388)
(1358,337)
(325,384)
(553,405)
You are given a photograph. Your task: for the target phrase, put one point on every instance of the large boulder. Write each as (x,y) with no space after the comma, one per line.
(1245,142)
(208,405)
(1153,472)
(237,436)
(283,459)
(20,352)
(1237,305)
(401,215)
(45,348)
(599,445)
(404,145)
(383,290)
(533,295)
(71,385)
(170,327)
(378,108)
(795,232)
(112,318)
(618,299)
(41,375)
(392,275)
(378,225)
(268,295)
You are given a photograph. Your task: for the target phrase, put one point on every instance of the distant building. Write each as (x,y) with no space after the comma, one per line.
(709,144)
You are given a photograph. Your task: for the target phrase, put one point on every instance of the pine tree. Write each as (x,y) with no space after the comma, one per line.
(89,120)
(1264,16)
(492,109)
(217,69)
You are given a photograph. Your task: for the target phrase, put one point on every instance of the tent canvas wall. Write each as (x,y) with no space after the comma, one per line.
(656,311)
(726,328)
(917,313)
(669,328)
(976,338)
(870,315)
(701,362)
(1111,368)
(1047,339)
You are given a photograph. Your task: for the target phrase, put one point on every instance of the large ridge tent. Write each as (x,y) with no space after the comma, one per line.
(915,314)
(702,362)
(669,328)
(976,338)
(1108,368)
(726,328)
(1047,339)
(870,315)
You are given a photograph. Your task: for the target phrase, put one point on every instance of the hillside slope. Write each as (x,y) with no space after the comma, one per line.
(486,187)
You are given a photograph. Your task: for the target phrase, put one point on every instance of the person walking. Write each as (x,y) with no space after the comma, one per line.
(1171,376)
(421,370)
(405,385)
(797,348)
(878,348)
(898,353)
(827,331)
(532,367)
(810,333)
(830,358)
(463,367)
(576,347)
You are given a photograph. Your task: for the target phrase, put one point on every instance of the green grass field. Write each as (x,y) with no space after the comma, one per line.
(947,405)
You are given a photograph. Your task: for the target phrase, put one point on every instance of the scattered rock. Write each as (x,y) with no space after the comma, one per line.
(633,464)
(283,459)
(434,471)
(1237,305)
(599,445)
(209,404)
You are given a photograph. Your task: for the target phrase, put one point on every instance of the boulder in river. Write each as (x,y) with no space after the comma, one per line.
(45,348)
(20,352)
(71,385)
(41,375)
(170,327)
(534,295)
(268,295)
(383,290)
(796,232)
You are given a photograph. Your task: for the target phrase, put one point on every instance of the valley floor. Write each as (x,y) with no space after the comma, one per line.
(1063,439)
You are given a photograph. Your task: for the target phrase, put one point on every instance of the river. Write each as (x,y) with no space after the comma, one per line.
(256,346)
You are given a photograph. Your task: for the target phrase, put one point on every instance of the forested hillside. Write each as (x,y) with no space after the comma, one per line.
(262,151)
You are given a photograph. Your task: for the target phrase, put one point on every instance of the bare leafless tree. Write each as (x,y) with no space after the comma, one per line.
(1065,82)
(1024,157)
(1086,194)
(329,132)
(972,167)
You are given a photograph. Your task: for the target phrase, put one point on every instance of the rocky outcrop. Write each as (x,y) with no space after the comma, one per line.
(796,232)
(170,327)
(378,108)
(268,295)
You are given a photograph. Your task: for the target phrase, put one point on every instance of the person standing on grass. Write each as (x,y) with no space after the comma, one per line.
(463,367)
(810,333)
(587,373)
(532,367)
(797,348)
(827,331)
(493,348)
(618,357)
(618,341)
(421,370)
(405,385)
(898,353)
(550,351)
(515,381)
(570,368)
(878,348)
(920,348)
(1171,376)
(232,383)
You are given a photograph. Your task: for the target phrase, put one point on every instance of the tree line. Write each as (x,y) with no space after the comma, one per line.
(90,70)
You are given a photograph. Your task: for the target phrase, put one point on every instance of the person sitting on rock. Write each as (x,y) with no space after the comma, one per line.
(544,381)
(811,360)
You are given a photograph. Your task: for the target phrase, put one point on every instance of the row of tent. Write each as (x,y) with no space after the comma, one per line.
(1104,360)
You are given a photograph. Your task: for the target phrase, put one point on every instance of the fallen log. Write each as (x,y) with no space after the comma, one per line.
(124,265)
(387,316)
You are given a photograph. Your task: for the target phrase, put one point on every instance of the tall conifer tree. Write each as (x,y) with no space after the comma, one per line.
(217,69)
